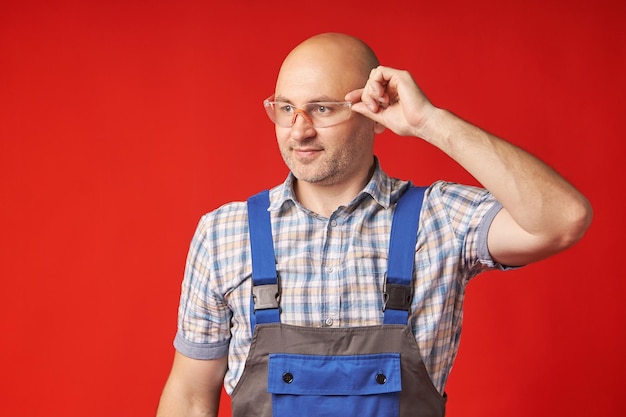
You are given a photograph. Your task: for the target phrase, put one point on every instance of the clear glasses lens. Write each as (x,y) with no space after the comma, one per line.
(321,114)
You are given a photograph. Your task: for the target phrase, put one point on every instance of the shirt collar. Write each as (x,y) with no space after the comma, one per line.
(379,188)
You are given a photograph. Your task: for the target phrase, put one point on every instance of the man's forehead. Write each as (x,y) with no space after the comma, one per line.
(321,84)
(300,99)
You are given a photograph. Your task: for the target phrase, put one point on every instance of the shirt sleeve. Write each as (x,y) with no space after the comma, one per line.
(470,212)
(203,316)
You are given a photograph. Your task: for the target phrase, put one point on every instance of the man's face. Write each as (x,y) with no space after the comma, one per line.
(332,155)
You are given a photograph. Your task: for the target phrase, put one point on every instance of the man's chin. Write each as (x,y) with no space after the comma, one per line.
(309,176)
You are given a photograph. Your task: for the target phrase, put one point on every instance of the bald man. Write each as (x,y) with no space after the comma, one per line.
(331,332)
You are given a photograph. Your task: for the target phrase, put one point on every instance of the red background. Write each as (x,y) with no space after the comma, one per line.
(122,122)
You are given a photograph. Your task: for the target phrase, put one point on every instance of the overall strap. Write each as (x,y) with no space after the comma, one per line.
(398,287)
(264,303)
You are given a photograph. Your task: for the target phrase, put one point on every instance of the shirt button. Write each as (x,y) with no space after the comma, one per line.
(333,223)
(330,269)
(328,322)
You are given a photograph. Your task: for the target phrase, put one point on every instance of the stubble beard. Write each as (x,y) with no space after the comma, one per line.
(321,171)
(331,167)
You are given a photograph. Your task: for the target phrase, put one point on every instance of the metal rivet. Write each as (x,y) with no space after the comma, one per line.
(381,378)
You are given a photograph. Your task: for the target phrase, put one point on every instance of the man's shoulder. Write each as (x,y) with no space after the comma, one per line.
(225,219)
(227,209)
(452,191)
(237,211)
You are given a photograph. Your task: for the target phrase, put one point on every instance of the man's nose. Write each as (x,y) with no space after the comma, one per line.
(302,127)
(304,115)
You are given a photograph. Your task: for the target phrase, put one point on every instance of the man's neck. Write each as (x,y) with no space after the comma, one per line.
(325,199)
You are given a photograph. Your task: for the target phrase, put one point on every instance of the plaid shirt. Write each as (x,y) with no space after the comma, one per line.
(332,269)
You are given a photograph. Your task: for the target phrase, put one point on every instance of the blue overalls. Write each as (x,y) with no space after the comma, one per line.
(335,372)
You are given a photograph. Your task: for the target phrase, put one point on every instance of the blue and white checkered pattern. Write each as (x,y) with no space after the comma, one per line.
(332,269)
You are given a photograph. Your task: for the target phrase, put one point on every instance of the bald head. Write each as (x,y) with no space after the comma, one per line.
(352,53)
(331,63)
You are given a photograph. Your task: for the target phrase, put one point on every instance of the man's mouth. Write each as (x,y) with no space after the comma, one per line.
(306,152)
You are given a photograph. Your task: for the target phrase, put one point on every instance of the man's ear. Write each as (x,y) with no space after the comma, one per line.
(378,128)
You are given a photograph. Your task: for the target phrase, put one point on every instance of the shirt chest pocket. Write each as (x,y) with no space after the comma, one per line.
(335,386)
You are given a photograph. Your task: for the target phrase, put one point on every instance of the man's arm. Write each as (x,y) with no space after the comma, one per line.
(193,388)
(543,214)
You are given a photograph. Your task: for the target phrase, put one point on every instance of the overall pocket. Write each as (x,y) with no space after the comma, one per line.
(335,386)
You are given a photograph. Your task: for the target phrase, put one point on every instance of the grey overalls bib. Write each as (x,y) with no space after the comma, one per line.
(343,372)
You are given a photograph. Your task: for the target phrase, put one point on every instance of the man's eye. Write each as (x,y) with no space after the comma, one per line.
(323,109)
(285,108)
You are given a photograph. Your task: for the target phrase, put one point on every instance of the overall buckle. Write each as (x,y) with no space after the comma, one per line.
(397,296)
(266,296)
